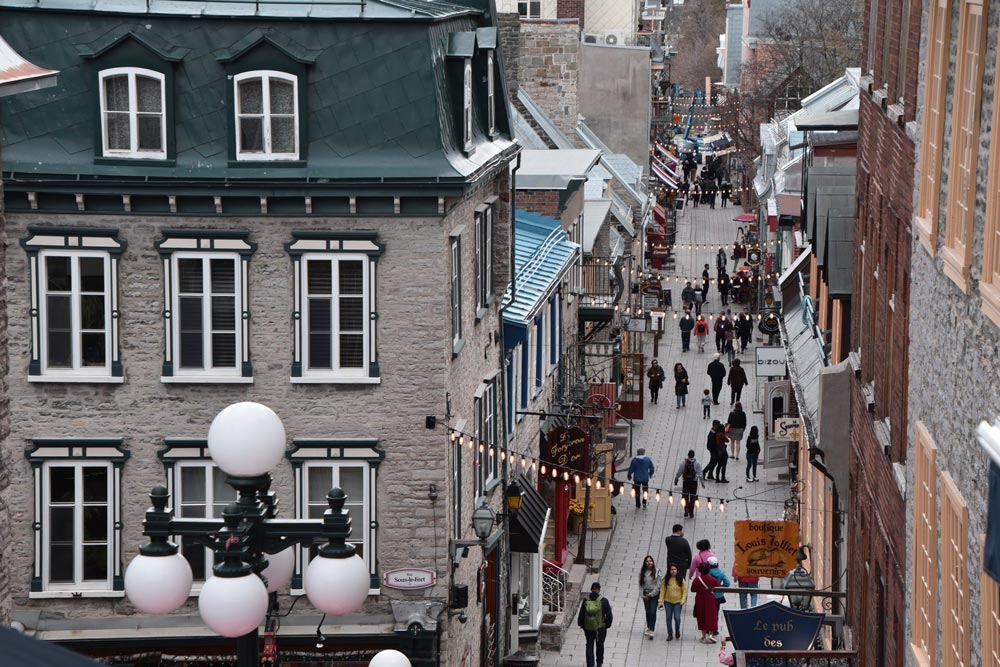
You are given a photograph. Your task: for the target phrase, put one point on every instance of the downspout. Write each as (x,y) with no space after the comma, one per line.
(513,219)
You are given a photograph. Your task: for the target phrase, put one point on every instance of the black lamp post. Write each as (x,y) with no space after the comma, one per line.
(251,545)
(484,518)
(799,579)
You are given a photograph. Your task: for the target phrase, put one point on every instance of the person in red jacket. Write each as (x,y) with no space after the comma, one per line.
(706,606)
(701,332)
(743,581)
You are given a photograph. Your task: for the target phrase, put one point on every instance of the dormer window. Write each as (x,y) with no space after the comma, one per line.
(267,119)
(133,122)
(467,107)
(491,112)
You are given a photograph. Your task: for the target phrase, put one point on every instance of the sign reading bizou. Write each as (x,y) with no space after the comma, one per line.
(765,548)
(770,362)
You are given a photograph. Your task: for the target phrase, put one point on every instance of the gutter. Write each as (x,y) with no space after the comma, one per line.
(513,222)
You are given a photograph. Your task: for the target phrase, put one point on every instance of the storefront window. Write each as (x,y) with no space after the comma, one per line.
(525,613)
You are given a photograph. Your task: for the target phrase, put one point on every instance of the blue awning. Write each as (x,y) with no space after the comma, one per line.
(542,255)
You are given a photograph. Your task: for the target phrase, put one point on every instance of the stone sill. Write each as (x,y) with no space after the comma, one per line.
(205,379)
(77,379)
(335,380)
(45,595)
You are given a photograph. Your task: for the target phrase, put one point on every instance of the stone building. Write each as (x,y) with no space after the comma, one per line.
(216,209)
(952,605)
(880,334)
(16,76)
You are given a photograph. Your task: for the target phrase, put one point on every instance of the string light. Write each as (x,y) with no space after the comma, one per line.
(542,469)
(709,505)
(670,497)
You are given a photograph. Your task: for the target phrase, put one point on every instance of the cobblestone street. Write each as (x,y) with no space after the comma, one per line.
(667,433)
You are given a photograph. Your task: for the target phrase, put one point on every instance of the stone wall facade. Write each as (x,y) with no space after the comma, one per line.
(5,524)
(509,31)
(548,68)
(954,346)
(420,376)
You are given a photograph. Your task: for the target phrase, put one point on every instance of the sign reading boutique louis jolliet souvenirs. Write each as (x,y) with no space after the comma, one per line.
(765,548)
(409,578)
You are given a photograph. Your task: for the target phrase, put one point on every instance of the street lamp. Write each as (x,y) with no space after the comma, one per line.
(253,549)
(484,518)
(389,658)
(799,579)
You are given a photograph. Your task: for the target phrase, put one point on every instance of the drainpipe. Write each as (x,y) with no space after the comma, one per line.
(513,218)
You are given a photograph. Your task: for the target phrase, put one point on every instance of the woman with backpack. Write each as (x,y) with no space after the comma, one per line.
(701,332)
(689,471)
(680,384)
(706,606)
(649,585)
(673,595)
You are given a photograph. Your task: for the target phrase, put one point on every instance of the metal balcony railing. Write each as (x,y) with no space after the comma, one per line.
(601,283)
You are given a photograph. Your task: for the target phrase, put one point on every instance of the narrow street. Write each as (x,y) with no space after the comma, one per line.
(667,433)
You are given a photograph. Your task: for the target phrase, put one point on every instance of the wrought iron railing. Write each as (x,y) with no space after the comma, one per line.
(797,659)
(601,283)
(554,582)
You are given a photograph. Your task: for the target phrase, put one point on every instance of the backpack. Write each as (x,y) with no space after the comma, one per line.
(593,613)
(689,473)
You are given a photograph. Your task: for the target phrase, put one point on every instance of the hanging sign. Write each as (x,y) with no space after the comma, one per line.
(770,362)
(409,578)
(773,627)
(567,447)
(765,548)
(786,429)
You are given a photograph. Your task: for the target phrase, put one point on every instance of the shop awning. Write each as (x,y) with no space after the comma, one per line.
(24,651)
(542,255)
(832,451)
(527,527)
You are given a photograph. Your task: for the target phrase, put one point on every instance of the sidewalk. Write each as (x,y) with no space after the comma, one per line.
(668,433)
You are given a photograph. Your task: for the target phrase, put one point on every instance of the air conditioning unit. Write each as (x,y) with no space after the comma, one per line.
(593,39)
(614,38)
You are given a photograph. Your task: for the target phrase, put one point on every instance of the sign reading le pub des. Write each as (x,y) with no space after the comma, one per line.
(765,548)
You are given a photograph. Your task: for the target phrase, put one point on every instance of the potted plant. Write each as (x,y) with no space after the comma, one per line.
(575,516)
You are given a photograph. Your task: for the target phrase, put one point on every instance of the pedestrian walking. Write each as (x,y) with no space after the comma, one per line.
(722,325)
(689,472)
(686,324)
(721,261)
(736,381)
(656,377)
(744,330)
(706,280)
(699,298)
(705,552)
(716,371)
(728,340)
(595,618)
(753,451)
(724,286)
(687,296)
(726,190)
(701,332)
(649,588)
(695,194)
(680,384)
(678,548)
(744,581)
(721,454)
(706,404)
(640,471)
(716,571)
(673,595)
(713,457)
(706,606)
(737,423)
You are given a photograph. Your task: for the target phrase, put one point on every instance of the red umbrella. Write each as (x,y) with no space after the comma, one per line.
(745,217)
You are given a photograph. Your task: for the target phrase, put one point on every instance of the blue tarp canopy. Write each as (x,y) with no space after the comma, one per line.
(542,255)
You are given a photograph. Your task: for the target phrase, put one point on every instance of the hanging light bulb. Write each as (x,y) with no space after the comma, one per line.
(684,502)
(472,444)
(657,496)
(453,436)
(670,498)
(645,495)
(611,488)
(503,454)
(565,476)
(590,481)
(576,479)
(524,463)
(482,447)
(722,506)
(461,441)
(555,473)
(709,504)
(542,470)
(697,503)
(533,465)
(598,483)
(632,493)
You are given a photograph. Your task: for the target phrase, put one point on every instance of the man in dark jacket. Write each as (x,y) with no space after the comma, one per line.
(711,444)
(744,329)
(723,282)
(686,325)
(595,627)
(737,380)
(687,295)
(722,325)
(716,371)
(678,550)
(640,471)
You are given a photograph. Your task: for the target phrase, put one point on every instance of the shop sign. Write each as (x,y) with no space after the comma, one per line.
(567,447)
(773,627)
(786,429)
(765,548)
(770,362)
(409,578)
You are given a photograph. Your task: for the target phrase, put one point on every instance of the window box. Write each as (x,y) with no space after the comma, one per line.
(335,315)
(74,304)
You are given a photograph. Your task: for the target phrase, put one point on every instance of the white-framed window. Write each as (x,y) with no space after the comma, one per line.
(133,117)
(532,359)
(484,256)
(77,517)
(456,293)
(207,306)
(545,341)
(491,111)
(467,106)
(200,492)
(517,386)
(529,9)
(457,490)
(487,433)
(334,318)
(528,578)
(267,115)
(74,304)
(556,319)
(319,465)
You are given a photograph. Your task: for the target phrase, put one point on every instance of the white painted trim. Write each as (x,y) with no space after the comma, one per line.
(46,595)
(337,374)
(205,379)
(77,379)
(133,114)
(265,77)
(208,296)
(319,379)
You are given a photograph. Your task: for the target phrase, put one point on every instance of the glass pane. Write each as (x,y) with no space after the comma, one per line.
(61,563)
(95,485)
(58,312)
(59,342)
(57,272)
(352,351)
(252,135)
(352,277)
(192,354)
(283,134)
(95,561)
(116,93)
(192,511)
(92,311)
(320,350)
(195,555)
(192,485)
(251,96)
(357,521)
(91,274)
(282,97)
(92,349)
(61,525)
(62,484)
(351,314)
(118,131)
(150,132)
(320,481)
(223,494)
(223,276)
(319,315)
(148,94)
(95,523)
(352,482)
(319,276)
(189,276)
(223,313)
(224,350)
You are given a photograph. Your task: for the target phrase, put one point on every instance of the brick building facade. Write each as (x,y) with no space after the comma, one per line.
(880,307)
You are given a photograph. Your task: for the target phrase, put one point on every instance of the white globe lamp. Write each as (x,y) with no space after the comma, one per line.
(389,658)
(279,570)
(337,586)
(158,584)
(246,439)
(233,606)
